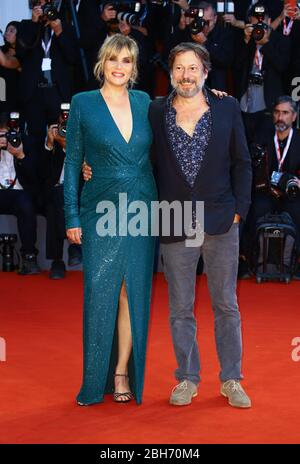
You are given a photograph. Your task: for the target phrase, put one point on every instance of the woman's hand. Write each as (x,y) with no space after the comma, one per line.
(74,235)
(219,93)
(86,171)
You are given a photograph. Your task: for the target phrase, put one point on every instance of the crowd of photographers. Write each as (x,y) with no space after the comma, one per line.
(255,55)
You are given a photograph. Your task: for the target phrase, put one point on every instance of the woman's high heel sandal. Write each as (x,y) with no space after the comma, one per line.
(128,395)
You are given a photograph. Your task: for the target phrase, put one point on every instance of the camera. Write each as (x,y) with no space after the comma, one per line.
(62,126)
(285,183)
(198,24)
(256,78)
(13,135)
(259,158)
(128,11)
(8,241)
(50,12)
(260,28)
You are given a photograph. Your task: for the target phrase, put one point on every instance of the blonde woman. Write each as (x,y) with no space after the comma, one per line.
(109,129)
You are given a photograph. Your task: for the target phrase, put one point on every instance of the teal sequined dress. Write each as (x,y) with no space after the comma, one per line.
(108,261)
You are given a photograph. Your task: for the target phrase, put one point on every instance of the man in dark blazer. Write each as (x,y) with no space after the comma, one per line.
(261,66)
(46,49)
(218,40)
(283,148)
(51,170)
(202,156)
(19,192)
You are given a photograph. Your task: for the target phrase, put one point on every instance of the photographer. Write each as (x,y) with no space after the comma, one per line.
(262,62)
(216,39)
(51,168)
(123,24)
(10,68)
(282,191)
(92,19)
(18,189)
(288,24)
(46,48)
(97,20)
(241,7)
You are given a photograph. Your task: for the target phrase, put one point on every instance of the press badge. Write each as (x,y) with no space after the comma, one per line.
(46,64)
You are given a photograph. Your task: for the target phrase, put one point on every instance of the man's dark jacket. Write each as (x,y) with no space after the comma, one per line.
(224,179)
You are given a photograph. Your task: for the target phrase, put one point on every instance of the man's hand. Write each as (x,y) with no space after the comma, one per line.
(56,26)
(108,13)
(86,171)
(230,19)
(124,27)
(53,135)
(199,38)
(74,235)
(143,30)
(236,219)
(37,13)
(18,152)
(219,93)
(248,33)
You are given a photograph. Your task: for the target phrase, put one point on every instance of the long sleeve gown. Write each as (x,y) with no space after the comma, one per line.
(118,168)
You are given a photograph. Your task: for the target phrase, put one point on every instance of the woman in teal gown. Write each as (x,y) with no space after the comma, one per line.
(117,267)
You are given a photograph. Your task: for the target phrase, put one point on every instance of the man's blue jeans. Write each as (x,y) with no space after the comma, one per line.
(220,255)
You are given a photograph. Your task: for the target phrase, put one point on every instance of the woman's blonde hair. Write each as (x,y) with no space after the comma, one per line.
(112,46)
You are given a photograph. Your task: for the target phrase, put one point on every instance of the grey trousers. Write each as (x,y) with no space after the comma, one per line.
(220,255)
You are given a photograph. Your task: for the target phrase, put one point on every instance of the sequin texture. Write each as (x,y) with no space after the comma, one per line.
(117,167)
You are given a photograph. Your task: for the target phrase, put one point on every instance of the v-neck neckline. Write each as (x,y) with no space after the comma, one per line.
(113,119)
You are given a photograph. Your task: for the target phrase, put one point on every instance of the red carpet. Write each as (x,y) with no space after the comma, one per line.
(41,323)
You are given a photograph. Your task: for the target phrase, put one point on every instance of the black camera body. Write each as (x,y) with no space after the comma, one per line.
(261,27)
(127,11)
(285,184)
(259,158)
(13,136)
(62,126)
(8,242)
(256,78)
(198,24)
(50,11)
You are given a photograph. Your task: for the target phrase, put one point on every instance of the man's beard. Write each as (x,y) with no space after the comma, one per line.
(187,93)
(282,126)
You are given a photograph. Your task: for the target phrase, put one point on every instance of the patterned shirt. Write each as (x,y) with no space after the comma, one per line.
(189,151)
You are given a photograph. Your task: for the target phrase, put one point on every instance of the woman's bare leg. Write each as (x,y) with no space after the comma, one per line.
(124,345)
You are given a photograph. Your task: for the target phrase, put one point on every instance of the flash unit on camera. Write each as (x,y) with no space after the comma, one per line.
(225,7)
(259,9)
(65,106)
